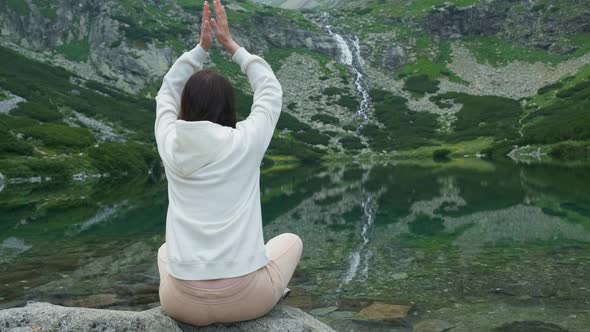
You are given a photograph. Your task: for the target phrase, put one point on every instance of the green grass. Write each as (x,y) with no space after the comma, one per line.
(19,6)
(411,8)
(46,8)
(495,51)
(277,56)
(432,68)
(77,50)
(458,149)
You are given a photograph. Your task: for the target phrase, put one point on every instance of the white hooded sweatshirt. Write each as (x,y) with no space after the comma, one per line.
(214,220)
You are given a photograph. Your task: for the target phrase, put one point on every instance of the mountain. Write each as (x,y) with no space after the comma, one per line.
(374,78)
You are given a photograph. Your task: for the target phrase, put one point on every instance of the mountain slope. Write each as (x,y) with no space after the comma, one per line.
(367,77)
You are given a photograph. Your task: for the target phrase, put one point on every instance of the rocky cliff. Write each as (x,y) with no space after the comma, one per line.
(131,45)
(534,24)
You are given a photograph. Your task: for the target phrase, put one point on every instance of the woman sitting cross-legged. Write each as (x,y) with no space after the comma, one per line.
(214,266)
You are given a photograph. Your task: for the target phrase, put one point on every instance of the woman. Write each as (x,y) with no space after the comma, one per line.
(214,266)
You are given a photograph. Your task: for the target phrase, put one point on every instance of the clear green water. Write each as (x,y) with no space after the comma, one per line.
(472,243)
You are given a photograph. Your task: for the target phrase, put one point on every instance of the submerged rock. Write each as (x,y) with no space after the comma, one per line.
(323,311)
(530,326)
(39,316)
(433,325)
(399,276)
(384,311)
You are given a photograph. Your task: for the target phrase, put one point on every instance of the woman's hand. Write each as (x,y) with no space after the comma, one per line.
(206,39)
(221,27)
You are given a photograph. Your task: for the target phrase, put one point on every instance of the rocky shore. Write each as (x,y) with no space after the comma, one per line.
(42,317)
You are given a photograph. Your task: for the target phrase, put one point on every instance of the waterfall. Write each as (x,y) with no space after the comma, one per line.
(362,254)
(352,58)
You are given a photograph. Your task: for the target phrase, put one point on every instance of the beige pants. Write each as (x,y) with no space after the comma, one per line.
(204,302)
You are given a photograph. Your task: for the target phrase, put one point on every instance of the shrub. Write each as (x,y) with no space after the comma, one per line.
(288,121)
(57,135)
(350,102)
(38,111)
(404,128)
(364,11)
(549,88)
(57,170)
(352,143)
(566,152)
(426,225)
(291,147)
(325,118)
(312,137)
(499,150)
(566,119)
(574,90)
(120,159)
(484,116)
(350,127)
(441,155)
(11,145)
(421,84)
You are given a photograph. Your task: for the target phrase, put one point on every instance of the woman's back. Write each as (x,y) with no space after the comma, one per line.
(214,220)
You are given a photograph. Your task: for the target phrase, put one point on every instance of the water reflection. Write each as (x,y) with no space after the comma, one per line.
(500,238)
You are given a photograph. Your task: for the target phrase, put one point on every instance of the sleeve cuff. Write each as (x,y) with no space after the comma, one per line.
(199,53)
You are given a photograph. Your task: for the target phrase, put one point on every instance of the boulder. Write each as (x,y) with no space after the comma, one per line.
(41,317)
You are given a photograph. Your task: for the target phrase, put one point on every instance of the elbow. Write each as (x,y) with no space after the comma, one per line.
(276,87)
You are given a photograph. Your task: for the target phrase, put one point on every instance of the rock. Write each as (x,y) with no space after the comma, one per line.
(400,276)
(93,301)
(393,57)
(343,315)
(521,24)
(39,316)
(529,326)
(323,311)
(433,325)
(384,311)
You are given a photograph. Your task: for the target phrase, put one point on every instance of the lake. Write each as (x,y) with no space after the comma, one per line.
(469,243)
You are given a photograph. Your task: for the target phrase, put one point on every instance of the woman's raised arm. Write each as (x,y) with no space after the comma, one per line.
(168,98)
(268,94)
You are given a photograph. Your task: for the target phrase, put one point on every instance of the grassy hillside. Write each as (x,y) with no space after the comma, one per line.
(43,137)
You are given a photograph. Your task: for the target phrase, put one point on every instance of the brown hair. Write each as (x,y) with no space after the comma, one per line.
(208,96)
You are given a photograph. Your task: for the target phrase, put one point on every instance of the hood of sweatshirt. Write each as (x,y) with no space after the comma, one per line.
(198,144)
